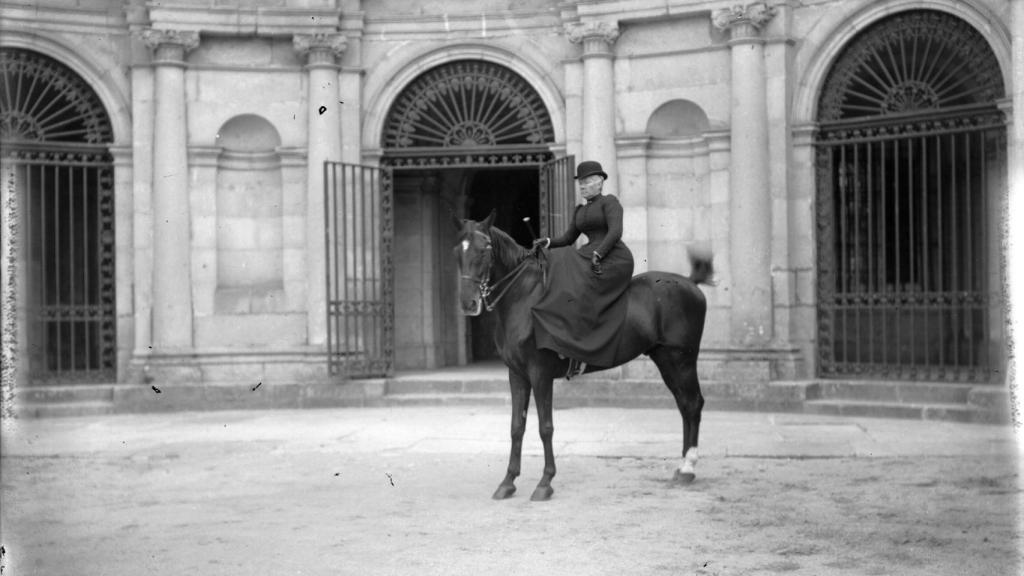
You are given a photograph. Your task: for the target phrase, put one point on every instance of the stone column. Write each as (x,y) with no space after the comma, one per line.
(172,246)
(324,143)
(749,195)
(598,95)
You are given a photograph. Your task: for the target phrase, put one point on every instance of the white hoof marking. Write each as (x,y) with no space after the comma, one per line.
(689,461)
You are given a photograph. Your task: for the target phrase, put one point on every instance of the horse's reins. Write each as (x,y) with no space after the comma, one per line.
(486,288)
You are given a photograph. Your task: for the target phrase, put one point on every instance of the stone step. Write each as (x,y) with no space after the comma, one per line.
(444,399)
(934,411)
(65,409)
(66,394)
(446,386)
(892,392)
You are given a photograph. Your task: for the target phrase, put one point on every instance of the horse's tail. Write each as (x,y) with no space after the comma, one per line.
(702,270)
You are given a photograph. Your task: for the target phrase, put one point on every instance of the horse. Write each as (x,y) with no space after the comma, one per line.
(665,321)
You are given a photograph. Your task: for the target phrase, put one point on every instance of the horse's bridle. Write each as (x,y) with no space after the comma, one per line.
(484,285)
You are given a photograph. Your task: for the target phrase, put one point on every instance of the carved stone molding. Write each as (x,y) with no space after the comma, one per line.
(743,21)
(320,48)
(596,37)
(170,46)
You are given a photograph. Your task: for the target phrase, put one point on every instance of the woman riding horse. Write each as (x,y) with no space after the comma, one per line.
(664,319)
(581,314)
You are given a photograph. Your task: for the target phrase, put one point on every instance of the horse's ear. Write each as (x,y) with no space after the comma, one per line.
(486,224)
(456,221)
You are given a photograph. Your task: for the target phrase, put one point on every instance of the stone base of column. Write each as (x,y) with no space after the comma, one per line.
(770,379)
(238,381)
(229,368)
(733,365)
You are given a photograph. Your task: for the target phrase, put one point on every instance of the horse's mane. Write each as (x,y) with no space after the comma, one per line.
(505,248)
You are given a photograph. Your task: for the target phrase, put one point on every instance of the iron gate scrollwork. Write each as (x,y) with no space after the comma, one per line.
(359,236)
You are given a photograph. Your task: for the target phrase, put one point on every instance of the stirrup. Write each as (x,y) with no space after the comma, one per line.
(576,368)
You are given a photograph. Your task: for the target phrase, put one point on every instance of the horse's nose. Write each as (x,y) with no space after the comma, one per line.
(471,306)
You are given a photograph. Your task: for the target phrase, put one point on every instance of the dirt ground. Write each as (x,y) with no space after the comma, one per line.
(276,506)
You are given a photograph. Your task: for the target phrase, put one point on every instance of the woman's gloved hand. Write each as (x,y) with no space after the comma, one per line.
(541,243)
(595,264)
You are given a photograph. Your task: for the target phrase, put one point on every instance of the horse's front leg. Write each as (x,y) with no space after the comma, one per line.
(543,394)
(520,387)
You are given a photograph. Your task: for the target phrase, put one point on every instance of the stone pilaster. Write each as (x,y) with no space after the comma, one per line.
(637,231)
(324,132)
(598,143)
(13,290)
(1014,234)
(172,278)
(749,194)
(124,254)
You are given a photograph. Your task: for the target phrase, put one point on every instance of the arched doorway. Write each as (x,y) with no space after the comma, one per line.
(56,134)
(462,138)
(909,154)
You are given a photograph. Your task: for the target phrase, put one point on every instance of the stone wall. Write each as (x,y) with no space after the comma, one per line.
(675,162)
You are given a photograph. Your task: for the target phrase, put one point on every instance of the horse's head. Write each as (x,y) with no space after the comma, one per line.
(475,256)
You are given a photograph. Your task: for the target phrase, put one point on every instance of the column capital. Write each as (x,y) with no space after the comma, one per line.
(743,21)
(596,37)
(170,46)
(320,49)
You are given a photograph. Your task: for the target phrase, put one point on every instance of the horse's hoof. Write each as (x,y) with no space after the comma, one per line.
(681,477)
(504,492)
(542,493)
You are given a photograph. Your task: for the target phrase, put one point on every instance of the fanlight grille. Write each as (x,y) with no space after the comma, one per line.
(917,60)
(42,100)
(467,103)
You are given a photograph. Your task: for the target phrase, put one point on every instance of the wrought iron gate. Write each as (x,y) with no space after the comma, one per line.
(557,195)
(66,260)
(359,234)
(910,139)
(55,134)
(904,245)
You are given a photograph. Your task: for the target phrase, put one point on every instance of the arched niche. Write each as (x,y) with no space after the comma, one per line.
(249,207)
(677,119)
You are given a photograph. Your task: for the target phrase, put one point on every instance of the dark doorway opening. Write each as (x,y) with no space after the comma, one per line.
(514,194)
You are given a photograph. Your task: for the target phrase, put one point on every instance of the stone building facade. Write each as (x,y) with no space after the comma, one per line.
(848,162)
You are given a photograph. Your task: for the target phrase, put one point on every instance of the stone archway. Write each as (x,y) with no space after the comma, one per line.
(909,140)
(56,135)
(451,135)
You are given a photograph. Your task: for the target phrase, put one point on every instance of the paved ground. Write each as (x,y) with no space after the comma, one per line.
(407,491)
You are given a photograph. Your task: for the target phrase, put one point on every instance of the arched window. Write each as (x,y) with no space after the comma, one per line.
(467,104)
(914,61)
(42,100)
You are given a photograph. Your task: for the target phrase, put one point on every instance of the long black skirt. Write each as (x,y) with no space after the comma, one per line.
(582,313)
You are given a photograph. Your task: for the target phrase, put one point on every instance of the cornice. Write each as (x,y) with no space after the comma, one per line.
(249,21)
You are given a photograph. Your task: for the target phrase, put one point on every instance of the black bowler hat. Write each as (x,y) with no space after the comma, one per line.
(589,168)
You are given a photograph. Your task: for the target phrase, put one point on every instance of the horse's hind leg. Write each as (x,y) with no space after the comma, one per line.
(679,371)
(520,388)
